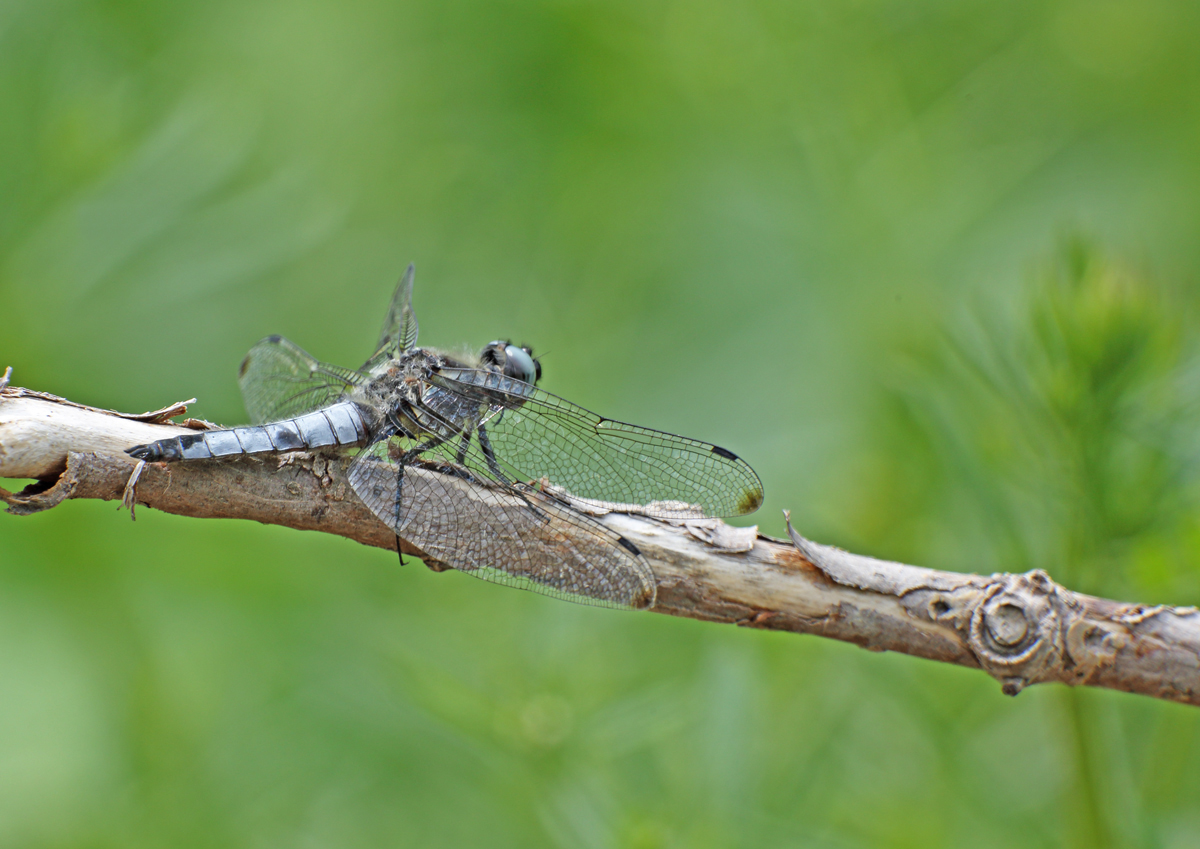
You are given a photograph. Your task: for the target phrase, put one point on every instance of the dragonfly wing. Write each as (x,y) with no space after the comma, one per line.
(514,536)
(537,436)
(280,380)
(400,328)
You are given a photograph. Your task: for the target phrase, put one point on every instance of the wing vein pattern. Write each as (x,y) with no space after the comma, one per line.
(538,436)
(280,380)
(510,535)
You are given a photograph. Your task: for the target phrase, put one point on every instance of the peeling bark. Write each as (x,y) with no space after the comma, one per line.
(1021,629)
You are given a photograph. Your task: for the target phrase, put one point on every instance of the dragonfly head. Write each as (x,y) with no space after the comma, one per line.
(514,361)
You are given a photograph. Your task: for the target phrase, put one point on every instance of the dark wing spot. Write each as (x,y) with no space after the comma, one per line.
(721,452)
(628,546)
(750,501)
(274,338)
(242,368)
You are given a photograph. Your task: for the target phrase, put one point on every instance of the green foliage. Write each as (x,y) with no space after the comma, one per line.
(723,219)
(1059,431)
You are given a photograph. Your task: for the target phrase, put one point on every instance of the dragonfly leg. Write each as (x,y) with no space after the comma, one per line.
(490,456)
(406,459)
(463,445)
(398,428)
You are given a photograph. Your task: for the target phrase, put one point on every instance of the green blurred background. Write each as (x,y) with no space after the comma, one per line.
(929,266)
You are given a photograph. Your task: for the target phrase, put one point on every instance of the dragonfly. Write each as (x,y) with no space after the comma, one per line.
(473,463)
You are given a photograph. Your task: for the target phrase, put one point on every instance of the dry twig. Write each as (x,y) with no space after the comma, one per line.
(1021,629)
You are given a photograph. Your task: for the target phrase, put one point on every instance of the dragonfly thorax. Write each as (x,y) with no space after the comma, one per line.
(403,398)
(396,385)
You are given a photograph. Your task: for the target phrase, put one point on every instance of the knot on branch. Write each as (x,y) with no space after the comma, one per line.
(1012,624)
(1015,629)
(1025,628)
(1091,645)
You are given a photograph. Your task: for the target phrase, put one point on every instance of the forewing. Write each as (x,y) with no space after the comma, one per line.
(400,328)
(280,380)
(512,536)
(537,436)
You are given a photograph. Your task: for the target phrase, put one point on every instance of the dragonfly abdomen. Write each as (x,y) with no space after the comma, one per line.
(339,424)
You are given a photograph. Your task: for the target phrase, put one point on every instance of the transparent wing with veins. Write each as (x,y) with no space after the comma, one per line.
(535,436)
(400,328)
(280,380)
(507,534)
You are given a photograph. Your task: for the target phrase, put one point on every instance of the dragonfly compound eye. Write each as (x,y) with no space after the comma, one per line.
(520,364)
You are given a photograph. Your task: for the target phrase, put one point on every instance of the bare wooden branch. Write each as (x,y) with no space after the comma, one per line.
(1020,628)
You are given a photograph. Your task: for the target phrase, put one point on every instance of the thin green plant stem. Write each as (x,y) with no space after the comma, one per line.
(1091,827)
